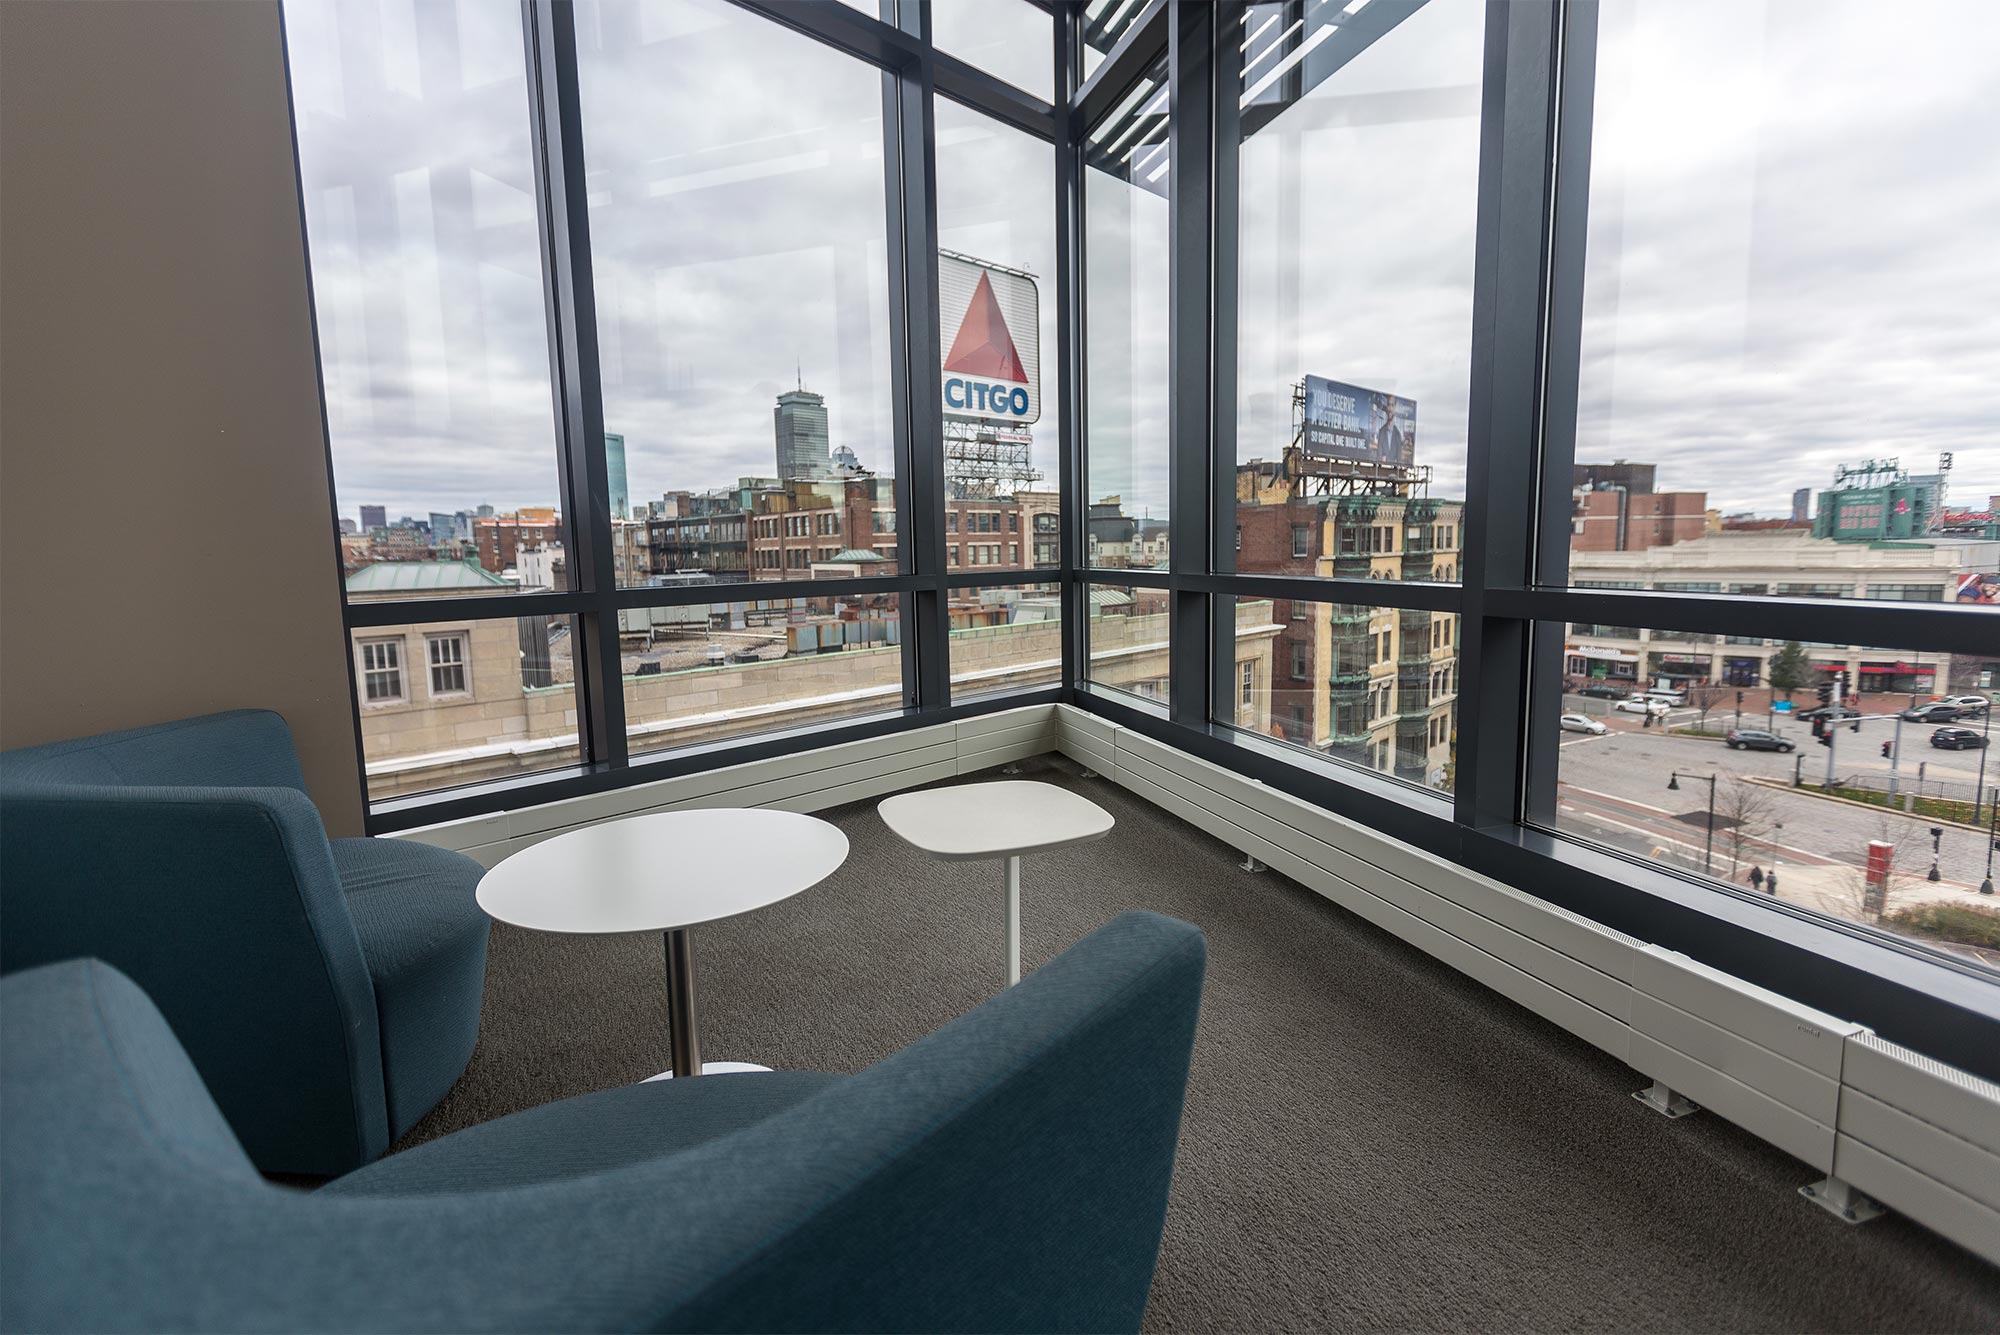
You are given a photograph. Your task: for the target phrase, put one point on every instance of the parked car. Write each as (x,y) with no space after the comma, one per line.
(1836,713)
(1957,739)
(1640,704)
(1602,692)
(1755,739)
(1971,706)
(1935,712)
(1580,723)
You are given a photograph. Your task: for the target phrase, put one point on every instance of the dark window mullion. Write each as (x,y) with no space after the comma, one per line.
(572,312)
(1507,334)
(1918,627)
(1069,350)
(910,136)
(1191,178)
(1225,115)
(1577,76)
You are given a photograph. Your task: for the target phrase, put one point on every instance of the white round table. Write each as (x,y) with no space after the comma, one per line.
(665,873)
(1004,819)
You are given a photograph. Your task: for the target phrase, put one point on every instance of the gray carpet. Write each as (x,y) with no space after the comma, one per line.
(1371,1140)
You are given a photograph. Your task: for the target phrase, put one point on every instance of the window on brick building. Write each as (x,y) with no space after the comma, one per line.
(381,671)
(448,666)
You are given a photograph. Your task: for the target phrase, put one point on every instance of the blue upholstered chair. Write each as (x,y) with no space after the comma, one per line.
(328,992)
(1009,1172)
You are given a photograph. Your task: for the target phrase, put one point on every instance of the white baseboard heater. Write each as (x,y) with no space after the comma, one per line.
(1873,1119)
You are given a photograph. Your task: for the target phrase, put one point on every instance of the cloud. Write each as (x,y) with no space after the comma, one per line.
(1788,259)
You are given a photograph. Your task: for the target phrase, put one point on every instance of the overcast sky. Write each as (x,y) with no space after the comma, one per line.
(1790,259)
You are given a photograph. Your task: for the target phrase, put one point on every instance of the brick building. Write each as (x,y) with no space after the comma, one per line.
(499,538)
(1371,684)
(804,523)
(1613,519)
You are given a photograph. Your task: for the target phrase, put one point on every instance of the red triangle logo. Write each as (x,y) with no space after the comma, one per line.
(983,347)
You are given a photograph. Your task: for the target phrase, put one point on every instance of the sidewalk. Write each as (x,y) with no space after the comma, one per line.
(1837,891)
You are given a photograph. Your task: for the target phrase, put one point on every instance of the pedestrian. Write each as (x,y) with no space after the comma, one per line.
(1756,878)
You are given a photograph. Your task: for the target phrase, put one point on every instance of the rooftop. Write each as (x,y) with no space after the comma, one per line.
(386,577)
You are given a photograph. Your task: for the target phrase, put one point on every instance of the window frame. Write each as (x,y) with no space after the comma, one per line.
(463,664)
(1510,599)
(914,74)
(365,670)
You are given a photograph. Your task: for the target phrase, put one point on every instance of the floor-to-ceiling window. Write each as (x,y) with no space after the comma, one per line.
(622,310)
(1596,438)
(1785,390)
(1511,425)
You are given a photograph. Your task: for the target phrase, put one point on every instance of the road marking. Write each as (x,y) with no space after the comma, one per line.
(1807,854)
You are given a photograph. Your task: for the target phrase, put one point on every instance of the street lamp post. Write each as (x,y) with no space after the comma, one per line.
(1979,786)
(1992,842)
(1937,837)
(1708,846)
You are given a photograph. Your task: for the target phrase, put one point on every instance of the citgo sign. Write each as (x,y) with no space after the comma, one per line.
(992,359)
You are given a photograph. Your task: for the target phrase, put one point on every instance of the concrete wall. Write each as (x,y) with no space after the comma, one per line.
(166,543)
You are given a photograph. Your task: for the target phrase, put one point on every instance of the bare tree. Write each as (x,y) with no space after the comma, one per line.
(1704,696)
(1743,812)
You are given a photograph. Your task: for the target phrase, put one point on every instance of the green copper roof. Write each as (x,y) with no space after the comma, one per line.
(421,576)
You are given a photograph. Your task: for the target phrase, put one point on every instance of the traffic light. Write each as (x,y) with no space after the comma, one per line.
(1826,692)
(1819,729)
(1826,739)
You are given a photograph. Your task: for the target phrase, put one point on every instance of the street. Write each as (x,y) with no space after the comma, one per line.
(1854,752)
(1613,788)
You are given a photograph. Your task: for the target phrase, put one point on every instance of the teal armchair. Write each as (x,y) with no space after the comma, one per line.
(327,991)
(1007,1173)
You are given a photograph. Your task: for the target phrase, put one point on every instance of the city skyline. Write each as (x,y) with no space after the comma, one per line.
(1707,344)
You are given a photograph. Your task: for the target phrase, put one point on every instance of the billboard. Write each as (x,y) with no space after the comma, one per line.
(1981,589)
(992,347)
(1348,422)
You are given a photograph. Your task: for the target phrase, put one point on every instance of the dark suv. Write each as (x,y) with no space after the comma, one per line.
(1932,713)
(1603,692)
(1957,739)
(1755,739)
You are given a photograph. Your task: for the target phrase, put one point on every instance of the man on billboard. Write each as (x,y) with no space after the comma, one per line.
(1391,443)
(1348,422)
(1983,589)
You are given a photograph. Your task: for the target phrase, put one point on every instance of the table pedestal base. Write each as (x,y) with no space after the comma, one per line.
(1013,920)
(682,1043)
(684,1040)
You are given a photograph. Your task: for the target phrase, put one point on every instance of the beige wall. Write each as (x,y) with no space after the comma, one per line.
(421,741)
(165,532)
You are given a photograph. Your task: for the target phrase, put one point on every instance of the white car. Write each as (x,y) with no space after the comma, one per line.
(1971,706)
(1639,704)
(1581,723)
